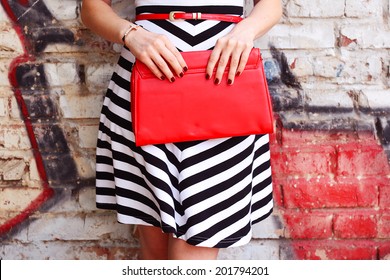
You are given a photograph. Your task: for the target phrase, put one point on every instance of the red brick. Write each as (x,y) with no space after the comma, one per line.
(326,193)
(384,195)
(113,253)
(384,226)
(384,250)
(318,136)
(308,225)
(362,159)
(277,193)
(305,160)
(273,139)
(355,225)
(335,250)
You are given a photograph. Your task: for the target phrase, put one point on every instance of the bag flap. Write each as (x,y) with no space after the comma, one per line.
(197,62)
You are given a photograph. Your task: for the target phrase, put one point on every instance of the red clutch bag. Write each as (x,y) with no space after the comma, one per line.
(193,108)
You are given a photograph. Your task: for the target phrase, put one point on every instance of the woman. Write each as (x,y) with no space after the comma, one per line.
(188,199)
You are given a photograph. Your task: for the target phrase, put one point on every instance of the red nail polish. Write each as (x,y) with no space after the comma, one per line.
(230,82)
(181,75)
(162,78)
(185,69)
(173,79)
(238,73)
(207,77)
(216,81)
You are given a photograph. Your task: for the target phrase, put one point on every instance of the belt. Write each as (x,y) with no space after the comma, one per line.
(177,15)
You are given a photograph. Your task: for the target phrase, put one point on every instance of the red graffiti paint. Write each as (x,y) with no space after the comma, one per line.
(332,192)
(47,192)
(23,2)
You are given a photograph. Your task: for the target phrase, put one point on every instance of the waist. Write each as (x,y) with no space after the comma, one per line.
(222,7)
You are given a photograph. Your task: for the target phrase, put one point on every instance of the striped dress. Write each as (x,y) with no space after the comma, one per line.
(208,193)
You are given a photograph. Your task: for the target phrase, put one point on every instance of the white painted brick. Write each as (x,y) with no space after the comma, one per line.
(378,99)
(17,199)
(326,99)
(3,107)
(268,228)
(307,35)
(9,41)
(54,250)
(87,199)
(34,174)
(3,17)
(348,69)
(98,75)
(88,135)
(4,70)
(61,74)
(255,250)
(104,226)
(15,137)
(69,202)
(63,9)
(2,140)
(79,107)
(78,227)
(14,109)
(315,8)
(85,166)
(363,8)
(329,67)
(302,66)
(13,169)
(367,35)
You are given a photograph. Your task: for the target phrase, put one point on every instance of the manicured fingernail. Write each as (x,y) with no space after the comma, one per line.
(238,73)
(216,81)
(230,82)
(181,75)
(173,79)
(207,77)
(185,69)
(162,78)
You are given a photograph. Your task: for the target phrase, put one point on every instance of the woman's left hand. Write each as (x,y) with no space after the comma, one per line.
(234,48)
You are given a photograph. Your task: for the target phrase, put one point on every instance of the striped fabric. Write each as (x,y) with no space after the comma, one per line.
(208,193)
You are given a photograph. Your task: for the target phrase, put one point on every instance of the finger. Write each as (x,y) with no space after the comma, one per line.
(154,69)
(221,66)
(162,65)
(179,58)
(243,61)
(213,60)
(173,57)
(234,62)
(164,59)
(173,63)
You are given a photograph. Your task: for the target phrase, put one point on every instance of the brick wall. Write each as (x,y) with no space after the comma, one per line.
(328,67)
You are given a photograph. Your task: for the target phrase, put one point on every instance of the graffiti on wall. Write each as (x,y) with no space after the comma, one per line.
(38,109)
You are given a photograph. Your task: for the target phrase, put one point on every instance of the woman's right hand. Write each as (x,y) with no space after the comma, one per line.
(157,53)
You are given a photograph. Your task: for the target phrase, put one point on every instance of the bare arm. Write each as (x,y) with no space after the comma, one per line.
(239,42)
(155,50)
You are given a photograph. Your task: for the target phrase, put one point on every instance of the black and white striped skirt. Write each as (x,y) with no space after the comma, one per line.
(208,193)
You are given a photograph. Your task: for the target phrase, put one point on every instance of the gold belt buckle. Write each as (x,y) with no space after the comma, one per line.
(172,15)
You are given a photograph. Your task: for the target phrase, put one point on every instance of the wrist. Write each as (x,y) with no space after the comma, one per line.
(249,26)
(130,28)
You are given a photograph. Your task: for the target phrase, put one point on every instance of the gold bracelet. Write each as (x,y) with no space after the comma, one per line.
(132,27)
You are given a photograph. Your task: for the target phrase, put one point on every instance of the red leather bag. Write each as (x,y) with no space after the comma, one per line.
(193,108)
